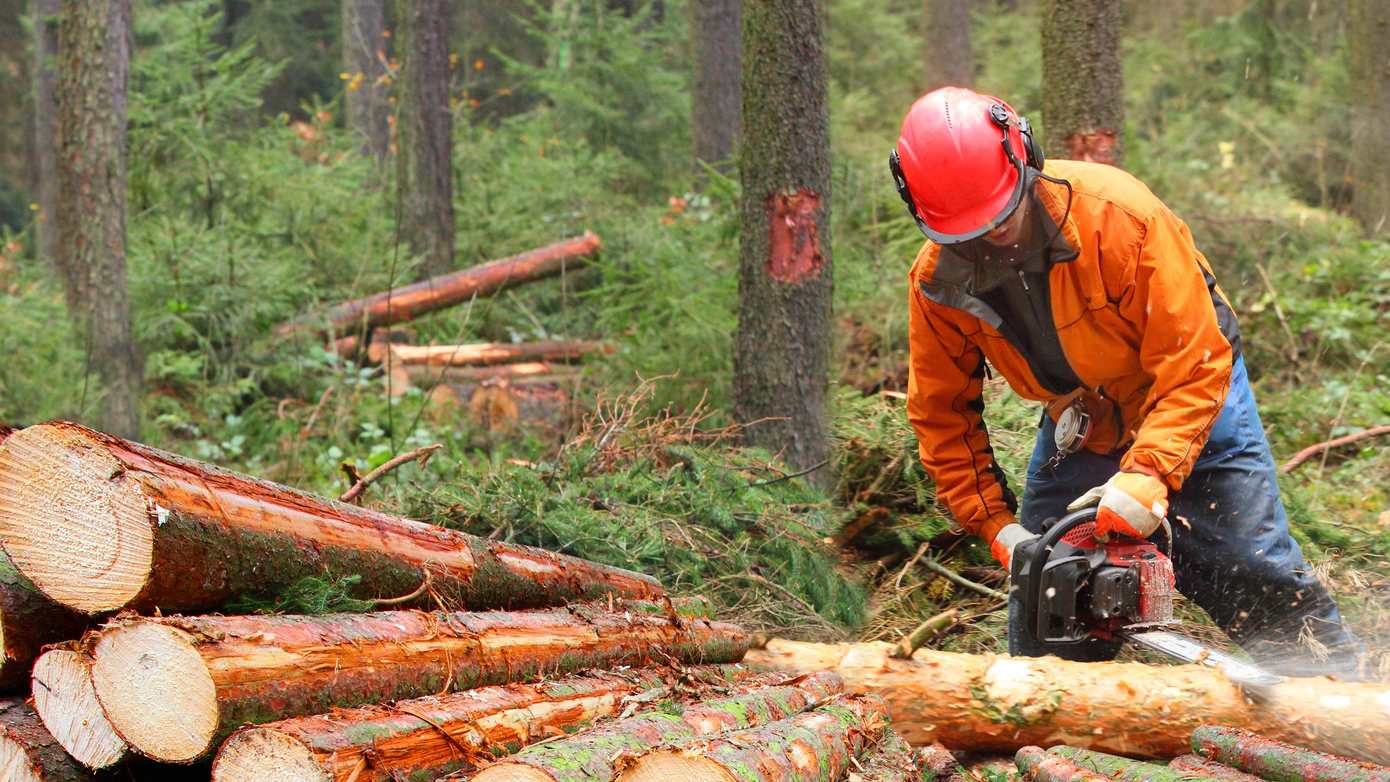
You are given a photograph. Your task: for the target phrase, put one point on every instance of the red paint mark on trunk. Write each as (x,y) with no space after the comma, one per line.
(793,238)
(1097,146)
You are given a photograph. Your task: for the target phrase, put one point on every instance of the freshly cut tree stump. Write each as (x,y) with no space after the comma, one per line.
(447,290)
(28,753)
(171,686)
(891,760)
(591,754)
(484,353)
(67,704)
(1278,761)
(29,621)
(815,746)
(996,704)
(432,736)
(99,523)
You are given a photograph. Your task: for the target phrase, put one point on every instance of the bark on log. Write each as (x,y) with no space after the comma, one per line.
(524,373)
(1115,767)
(432,736)
(28,753)
(484,353)
(1040,766)
(815,746)
(447,290)
(1280,762)
(29,621)
(993,704)
(890,760)
(1200,766)
(592,754)
(99,523)
(67,704)
(171,686)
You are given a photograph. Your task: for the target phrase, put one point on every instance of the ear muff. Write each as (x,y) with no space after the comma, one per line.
(1034,149)
(904,193)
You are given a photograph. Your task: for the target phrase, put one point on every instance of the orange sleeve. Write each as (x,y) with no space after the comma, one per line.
(945,407)
(1182,348)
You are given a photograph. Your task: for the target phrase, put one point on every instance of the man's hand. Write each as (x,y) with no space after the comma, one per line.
(1130,503)
(1006,541)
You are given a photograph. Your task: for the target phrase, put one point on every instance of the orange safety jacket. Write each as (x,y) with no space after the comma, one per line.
(1140,320)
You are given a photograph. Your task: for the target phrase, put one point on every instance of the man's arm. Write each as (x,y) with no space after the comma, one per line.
(945,406)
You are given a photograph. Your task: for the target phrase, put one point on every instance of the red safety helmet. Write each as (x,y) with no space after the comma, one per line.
(959,163)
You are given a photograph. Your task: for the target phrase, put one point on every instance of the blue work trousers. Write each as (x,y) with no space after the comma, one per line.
(1232,552)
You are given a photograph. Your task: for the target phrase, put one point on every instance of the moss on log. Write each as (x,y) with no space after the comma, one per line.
(1278,761)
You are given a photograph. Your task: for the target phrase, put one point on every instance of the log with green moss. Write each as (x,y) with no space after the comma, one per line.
(592,754)
(28,753)
(819,745)
(1125,769)
(1201,767)
(1040,766)
(428,737)
(1277,761)
(170,686)
(892,759)
(99,523)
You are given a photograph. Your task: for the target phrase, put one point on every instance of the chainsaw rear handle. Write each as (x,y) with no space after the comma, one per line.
(1030,556)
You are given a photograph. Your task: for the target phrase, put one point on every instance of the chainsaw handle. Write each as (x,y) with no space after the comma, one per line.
(1037,556)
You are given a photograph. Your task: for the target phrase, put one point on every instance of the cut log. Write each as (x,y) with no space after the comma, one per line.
(1200,766)
(429,737)
(485,353)
(525,373)
(890,760)
(99,523)
(1278,761)
(67,704)
(1126,769)
(592,754)
(28,753)
(998,704)
(29,621)
(937,763)
(1041,766)
(447,290)
(815,746)
(171,686)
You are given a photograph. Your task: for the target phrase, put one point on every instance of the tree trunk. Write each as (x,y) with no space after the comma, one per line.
(1040,766)
(714,109)
(891,760)
(815,746)
(171,686)
(999,704)
(1368,28)
(1124,769)
(782,350)
(93,66)
(44,15)
(28,622)
(67,704)
(494,352)
(950,61)
(424,142)
(99,523)
(28,753)
(1198,766)
(1083,106)
(592,754)
(364,61)
(439,293)
(524,373)
(1279,762)
(432,736)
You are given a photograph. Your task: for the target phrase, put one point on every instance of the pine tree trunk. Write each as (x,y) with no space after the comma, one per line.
(1040,766)
(99,523)
(782,350)
(715,110)
(211,675)
(432,736)
(1368,28)
(1198,766)
(93,67)
(999,704)
(44,15)
(950,61)
(364,56)
(28,752)
(1083,80)
(424,142)
(29,621)
(815,746)
(593,753)
(1278,761)
(412,301)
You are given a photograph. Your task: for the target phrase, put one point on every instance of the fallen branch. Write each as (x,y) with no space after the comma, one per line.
(950,575)
(925,631)
(421,455)
(1313,450)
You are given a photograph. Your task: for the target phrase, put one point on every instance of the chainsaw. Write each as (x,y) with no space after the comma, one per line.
(1075,589)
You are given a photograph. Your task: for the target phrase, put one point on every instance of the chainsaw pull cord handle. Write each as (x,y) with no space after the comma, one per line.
(1049,539)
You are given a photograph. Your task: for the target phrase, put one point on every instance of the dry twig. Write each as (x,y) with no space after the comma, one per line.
(1313,450)
(422,455)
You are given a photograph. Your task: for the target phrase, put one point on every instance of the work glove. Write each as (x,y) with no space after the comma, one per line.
(1006,541)
(1130,503)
